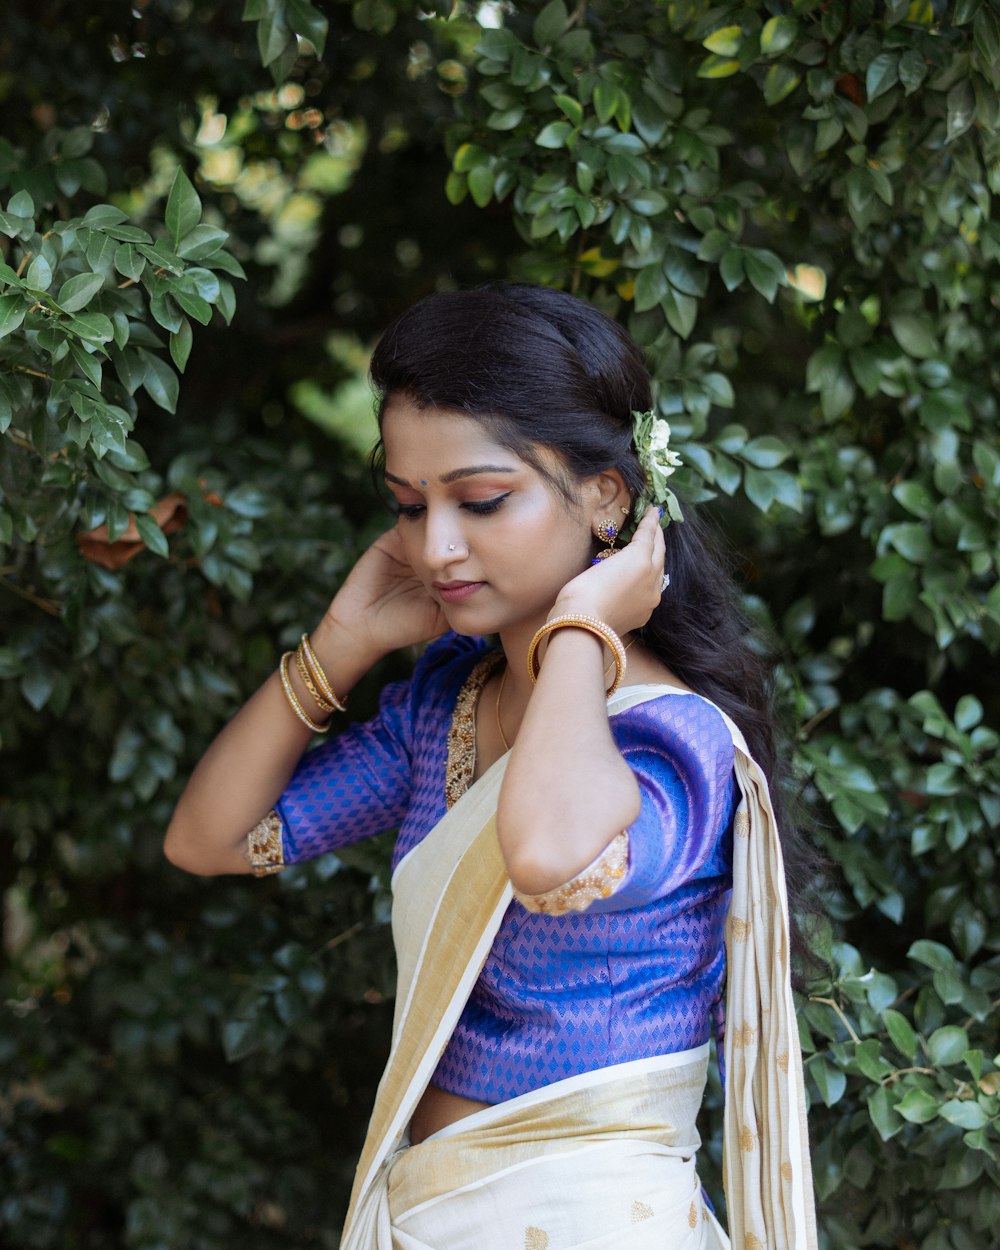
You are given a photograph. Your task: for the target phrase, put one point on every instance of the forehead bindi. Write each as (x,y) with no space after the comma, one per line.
(431,447)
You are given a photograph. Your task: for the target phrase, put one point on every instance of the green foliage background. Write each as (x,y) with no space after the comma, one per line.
(203,223)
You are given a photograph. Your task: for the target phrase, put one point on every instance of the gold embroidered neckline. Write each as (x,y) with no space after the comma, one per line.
(462,734)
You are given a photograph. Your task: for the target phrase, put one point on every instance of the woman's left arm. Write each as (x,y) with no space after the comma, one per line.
(567,791)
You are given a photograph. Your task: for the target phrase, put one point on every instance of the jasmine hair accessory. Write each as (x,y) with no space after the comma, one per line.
(651,435)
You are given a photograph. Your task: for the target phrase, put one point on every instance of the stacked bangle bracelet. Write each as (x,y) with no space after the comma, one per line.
(573,620)
(314,680)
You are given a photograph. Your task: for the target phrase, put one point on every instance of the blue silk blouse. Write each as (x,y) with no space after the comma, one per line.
(638,974)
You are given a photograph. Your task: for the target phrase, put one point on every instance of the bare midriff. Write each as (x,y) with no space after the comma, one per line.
(437,1109)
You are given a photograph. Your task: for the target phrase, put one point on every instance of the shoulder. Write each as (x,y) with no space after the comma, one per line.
(680,723)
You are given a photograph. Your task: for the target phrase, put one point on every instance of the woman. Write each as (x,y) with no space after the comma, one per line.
(567,842)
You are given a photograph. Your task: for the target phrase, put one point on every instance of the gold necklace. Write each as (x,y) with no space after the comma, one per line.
(503,678)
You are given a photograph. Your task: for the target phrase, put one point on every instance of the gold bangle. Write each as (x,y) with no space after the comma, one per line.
(319,677)
(300,663)
(574,620)
(293,701)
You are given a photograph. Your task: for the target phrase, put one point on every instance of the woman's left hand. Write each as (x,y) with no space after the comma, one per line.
(624,589)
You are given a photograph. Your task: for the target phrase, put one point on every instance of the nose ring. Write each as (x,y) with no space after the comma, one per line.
(451,546)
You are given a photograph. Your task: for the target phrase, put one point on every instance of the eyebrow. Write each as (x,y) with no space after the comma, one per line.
(457,474)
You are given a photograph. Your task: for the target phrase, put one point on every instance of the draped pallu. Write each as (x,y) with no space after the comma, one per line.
(449,897)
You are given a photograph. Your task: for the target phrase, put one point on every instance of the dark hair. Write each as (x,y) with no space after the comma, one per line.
(543,368)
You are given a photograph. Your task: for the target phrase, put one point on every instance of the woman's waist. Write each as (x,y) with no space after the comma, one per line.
(648,1106)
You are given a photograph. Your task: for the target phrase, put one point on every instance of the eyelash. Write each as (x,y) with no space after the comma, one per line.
(481,507)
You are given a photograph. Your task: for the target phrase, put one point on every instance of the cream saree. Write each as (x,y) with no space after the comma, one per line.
(501,1178)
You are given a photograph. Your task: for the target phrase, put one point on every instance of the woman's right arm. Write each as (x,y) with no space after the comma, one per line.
(241,776)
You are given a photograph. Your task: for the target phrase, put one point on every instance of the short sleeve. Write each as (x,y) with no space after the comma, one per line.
(681,752)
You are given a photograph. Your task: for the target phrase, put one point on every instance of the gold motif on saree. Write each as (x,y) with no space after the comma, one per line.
(535,1238)
(741,929)
(641,1211)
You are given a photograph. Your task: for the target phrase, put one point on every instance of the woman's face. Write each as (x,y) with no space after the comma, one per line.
(491,539)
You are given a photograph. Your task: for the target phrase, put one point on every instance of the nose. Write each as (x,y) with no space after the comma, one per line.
(442,545)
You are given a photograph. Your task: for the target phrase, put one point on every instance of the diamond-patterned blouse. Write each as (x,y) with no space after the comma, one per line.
(637,974)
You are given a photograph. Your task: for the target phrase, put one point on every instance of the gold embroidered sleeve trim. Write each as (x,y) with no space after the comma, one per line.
(265,850)
(601,878)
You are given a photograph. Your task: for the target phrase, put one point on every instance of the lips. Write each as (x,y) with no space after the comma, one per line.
(456,592)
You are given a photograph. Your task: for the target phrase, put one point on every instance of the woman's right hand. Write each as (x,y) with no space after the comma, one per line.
(384,602)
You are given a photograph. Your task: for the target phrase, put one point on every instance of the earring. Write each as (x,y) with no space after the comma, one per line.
(607,532)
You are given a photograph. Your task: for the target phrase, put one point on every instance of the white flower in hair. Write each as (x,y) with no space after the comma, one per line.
(651,435)
(659,435)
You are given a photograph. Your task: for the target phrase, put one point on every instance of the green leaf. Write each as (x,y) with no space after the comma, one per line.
(183,207)
(94,327)
(152,535)
(968,712)
(650,287)
(77,292)
(554,135)
(764,270)
(830,1081)
(180,345)
(12,310)
(307,21)
(571,107)
(160,382)
(914,332)
(917,1106)
(766,452)
(550,23)
(731,268)
(21,205)
(714,66)
(725,41)
(201,242)
(129,262)
(900,1032)
(961,109)
(882,75)
(965,1114)
(932,955)
(779,82)
(89,366)
(505,119)
(912,70)
(39,275)
(911,540)
(481,185)
(778,33)
(947,1045)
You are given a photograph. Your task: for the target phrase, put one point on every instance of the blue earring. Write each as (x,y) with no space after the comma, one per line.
(607,531)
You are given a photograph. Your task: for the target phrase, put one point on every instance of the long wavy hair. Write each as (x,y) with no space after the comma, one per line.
(542,368)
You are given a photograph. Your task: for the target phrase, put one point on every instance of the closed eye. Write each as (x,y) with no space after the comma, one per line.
(483,507)
(409,511)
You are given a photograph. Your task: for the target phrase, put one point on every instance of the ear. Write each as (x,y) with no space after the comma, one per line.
(607,496)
